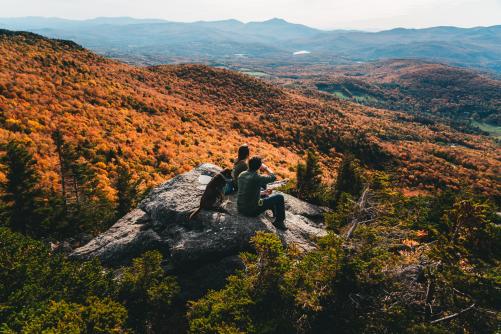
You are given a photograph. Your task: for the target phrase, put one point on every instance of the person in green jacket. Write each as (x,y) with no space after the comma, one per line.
(249,201)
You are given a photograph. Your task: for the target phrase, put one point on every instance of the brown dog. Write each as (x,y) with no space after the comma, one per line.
(213,195)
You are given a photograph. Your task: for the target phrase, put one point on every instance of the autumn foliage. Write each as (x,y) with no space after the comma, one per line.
(160,121)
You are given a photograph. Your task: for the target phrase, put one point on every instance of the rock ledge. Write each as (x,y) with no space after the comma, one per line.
(160,223)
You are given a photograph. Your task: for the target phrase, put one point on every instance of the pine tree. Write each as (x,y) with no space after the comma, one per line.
(86,207)
(90,209)
(75,175)
(349,178)
(21,192)
(309,177)
(300,172)
(54,214)
(127,190)
(58,140)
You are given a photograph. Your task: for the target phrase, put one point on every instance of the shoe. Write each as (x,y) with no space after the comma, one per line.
(279,224)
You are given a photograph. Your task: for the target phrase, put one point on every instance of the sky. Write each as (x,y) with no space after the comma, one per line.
(323,14)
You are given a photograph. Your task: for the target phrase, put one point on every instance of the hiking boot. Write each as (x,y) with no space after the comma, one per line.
(279,224)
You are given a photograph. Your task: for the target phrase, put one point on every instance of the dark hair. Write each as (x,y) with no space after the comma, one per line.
(243,152)
(255,163)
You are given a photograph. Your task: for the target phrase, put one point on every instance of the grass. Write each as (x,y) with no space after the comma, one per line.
(494,131)
(257,74)
(253,73)
(341,95)
(363,99)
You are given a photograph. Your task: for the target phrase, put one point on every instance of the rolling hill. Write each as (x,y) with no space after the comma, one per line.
(162,120)
(412,85)
(154,42)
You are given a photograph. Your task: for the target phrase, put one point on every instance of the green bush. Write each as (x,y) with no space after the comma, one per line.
(36,284)
(45,292)
(147,292)
(95,316)
(375,282)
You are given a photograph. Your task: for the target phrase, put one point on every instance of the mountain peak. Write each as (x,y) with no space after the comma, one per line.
(275,20)
(230,21)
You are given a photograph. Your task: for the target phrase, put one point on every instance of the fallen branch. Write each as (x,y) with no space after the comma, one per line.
(455,315)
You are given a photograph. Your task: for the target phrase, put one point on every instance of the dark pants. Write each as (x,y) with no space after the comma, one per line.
(276,204)
(229,188)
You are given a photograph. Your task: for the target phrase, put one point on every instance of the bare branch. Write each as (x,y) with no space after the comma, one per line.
(359,212)
(455,315)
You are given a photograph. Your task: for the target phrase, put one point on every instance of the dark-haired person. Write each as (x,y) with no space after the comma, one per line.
(249,201)
(239,166)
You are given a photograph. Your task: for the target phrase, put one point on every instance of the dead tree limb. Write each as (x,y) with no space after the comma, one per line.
(430,291)
(361,211)
(455,315)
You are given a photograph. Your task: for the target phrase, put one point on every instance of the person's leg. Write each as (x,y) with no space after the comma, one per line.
(277,205)
(228,189)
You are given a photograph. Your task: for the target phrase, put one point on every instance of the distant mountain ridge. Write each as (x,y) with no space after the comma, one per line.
(151,41)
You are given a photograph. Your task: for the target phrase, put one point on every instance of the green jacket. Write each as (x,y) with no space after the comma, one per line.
(249,191)
(238,168)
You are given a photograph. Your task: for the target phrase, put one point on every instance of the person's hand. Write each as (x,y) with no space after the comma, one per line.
(266,192)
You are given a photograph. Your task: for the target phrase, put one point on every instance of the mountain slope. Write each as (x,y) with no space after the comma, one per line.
(139,114)
(166,119)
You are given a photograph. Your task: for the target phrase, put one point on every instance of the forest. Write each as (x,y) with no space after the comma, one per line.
(413,242)
(389,263)
(456,95)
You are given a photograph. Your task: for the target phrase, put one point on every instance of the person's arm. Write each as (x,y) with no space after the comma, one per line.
(265,179)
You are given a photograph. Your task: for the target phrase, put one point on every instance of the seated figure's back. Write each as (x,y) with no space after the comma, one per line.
(249,191)
(238,168)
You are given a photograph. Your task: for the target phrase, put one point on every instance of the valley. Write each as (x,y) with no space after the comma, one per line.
(113,134)
(154,42)
(419,87)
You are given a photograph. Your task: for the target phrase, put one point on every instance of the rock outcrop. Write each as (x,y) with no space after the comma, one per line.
(211,240)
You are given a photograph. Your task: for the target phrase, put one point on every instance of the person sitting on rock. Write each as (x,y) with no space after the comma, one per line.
(249,200)
(239,167)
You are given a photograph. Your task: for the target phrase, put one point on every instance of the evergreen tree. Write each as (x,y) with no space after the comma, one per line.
(148,293)
(349,178)
(91,210)
(309,177)
(300,172)
(85,204)
(21,192)
(58,140)
(76,174)
(54,214)
(127,190)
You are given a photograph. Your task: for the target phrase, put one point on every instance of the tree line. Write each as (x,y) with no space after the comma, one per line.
(309,186)
(77,206)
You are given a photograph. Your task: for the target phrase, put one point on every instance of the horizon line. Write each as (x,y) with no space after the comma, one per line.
(244,22)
